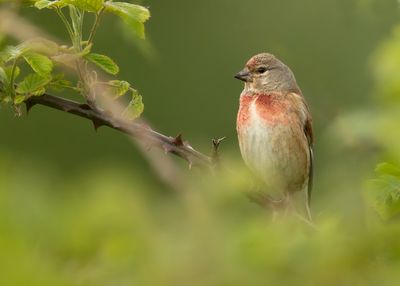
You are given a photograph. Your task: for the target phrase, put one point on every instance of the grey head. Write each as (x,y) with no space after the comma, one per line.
(264,72)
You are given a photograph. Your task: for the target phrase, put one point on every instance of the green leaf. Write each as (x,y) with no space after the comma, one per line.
(42,4)
(117,88)
(58,83)
(3,76)
(8,71)
(388,169)
(104,62)
(11,53)
(39,63)
(19,99)
(86,5)
(133,15)
(384,191)
(33,84)
(38,45)
(86,50)
(135,107)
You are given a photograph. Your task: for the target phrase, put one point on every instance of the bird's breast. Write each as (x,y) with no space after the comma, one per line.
(264,108)
(271,140)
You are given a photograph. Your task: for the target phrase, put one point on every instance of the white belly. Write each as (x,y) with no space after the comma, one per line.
(274,153)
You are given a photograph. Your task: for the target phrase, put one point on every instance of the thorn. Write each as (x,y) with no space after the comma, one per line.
(96,124)
(177,141)
(217,142)
(29,106)
(215,156)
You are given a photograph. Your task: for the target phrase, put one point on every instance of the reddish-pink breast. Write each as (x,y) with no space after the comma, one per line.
(270,107)
(244,109)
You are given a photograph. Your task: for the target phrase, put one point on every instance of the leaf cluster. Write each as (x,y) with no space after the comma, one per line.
(45,57)
(384,191)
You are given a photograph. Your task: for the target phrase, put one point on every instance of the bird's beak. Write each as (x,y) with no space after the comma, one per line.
(243,75)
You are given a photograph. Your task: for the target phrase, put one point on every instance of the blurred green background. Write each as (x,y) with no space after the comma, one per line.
(85,208)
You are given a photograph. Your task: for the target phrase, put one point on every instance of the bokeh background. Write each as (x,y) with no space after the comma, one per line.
(84,208)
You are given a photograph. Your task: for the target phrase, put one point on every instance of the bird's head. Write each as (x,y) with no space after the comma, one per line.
(264,73)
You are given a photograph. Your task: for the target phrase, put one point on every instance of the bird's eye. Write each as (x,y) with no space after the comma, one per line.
(261,69)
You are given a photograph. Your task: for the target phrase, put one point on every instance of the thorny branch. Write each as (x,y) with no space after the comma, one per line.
(144,133)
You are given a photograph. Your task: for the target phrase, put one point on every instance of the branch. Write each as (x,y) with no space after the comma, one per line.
(174,145)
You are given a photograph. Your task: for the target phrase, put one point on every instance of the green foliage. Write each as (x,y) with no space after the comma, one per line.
(85,5)
(58,83)
(384,191)
(109,224)
(103,62)
(385,67)
(108,227)
(117,88)
(42,55)
(133,15)
(376,127)
(41,64)
(33,84)
(135,107)
(3,76)
(42,4)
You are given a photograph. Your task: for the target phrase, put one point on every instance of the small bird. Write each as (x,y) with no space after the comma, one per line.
(274,127)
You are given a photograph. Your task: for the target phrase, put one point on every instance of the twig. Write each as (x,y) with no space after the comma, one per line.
(215,154)
(95,25)
(174,145)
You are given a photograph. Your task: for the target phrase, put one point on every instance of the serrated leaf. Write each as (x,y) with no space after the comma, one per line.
(8,71)
(133,15)
(117,88)
(135,107)
(58,83)
(33,84)
(39,63)
(86,5)
(19,99)
(103,62)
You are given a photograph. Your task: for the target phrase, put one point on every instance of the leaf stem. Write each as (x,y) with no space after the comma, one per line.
(66,23)
(12,78)
(95,25)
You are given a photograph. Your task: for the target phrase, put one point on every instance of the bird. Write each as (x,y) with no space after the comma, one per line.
(275,133)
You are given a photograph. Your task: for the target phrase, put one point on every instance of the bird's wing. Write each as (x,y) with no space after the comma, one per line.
(306,121)
(310,138)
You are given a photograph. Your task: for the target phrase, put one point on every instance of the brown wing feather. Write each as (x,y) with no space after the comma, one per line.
(305,116)
(310,137)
